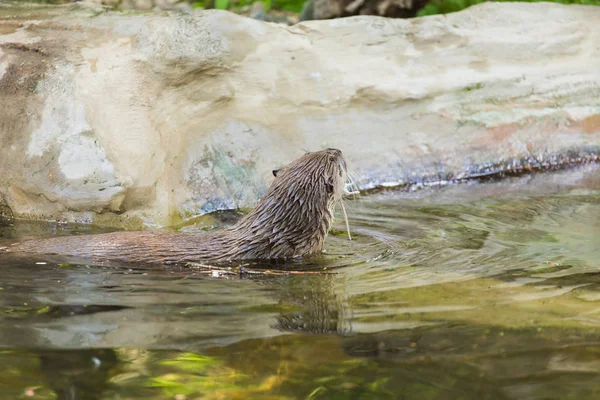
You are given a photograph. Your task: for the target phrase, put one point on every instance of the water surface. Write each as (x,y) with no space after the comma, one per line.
(472,291)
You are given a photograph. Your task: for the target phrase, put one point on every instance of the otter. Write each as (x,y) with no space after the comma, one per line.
(290,221)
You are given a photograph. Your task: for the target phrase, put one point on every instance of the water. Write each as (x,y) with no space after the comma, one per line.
(473,291)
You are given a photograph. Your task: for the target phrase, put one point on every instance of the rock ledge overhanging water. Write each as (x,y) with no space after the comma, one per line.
(148,119)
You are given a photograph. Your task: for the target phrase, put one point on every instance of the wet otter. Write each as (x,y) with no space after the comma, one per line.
(291,220)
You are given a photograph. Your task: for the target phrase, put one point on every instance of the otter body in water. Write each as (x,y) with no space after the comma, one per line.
(291,220)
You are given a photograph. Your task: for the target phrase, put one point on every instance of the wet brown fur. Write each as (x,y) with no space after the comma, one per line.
(291,220)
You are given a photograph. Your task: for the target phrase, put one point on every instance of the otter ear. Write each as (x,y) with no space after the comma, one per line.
(329,185)
(275,172)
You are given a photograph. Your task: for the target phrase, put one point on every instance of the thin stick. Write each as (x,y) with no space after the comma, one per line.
(209,269)
(346,218)
(277,272)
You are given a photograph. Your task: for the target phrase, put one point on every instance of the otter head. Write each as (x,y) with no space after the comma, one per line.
(294,216)
(319,177)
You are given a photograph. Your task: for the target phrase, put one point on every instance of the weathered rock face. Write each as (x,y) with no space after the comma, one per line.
(144,5)
(153,118)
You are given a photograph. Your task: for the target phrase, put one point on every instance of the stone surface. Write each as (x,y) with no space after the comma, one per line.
(153,119)
(137,4)
(109,3)
(146,5)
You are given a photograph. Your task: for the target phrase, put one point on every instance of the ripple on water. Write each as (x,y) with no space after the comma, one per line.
(475,291)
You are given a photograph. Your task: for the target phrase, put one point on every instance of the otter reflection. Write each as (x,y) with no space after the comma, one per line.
(316,307)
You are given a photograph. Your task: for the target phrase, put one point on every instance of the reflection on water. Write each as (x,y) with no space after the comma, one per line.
(475,291)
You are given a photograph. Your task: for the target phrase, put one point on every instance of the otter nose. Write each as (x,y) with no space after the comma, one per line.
(334,152)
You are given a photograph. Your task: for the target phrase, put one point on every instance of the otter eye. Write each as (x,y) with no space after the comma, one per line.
(275,172)
(329,187)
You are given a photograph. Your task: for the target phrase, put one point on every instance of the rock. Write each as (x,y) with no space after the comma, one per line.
(109,3)
(152,119)
(183,7)
(138,4)
(257,11)
(177,5)
(325,9)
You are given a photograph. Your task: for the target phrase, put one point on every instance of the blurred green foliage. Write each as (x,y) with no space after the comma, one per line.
(295,6)
(432,8)
(288,5)
(282,5)
(221,4)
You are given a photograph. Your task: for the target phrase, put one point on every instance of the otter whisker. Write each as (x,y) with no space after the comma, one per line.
(351,183)
(354,183)
(350,188)
(346,219)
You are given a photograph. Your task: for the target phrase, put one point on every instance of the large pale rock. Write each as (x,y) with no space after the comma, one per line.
(152,119)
